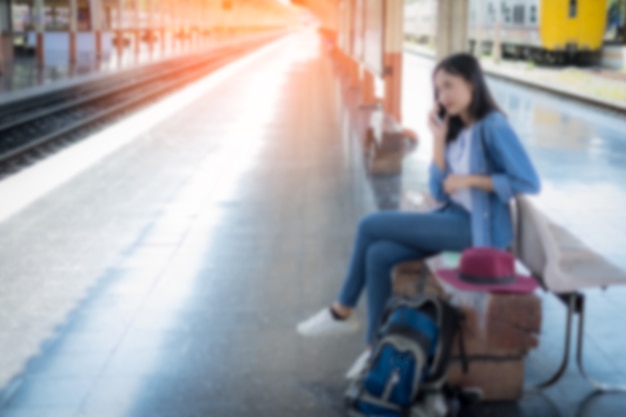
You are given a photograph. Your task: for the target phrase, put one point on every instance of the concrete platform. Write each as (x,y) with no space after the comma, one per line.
(167,279)
(165,275)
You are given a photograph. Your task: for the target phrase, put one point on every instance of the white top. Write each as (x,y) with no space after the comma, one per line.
(458,154)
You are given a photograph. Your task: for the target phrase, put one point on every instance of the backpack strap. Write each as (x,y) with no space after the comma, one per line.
(450,321)
(461,339)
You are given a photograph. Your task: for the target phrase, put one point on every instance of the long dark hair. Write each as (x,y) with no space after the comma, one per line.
(466,66)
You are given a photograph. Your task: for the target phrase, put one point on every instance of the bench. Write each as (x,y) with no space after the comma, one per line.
(386,144)
(563,265)
(502,328)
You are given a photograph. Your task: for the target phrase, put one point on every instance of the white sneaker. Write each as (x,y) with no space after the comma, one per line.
(358,365)
(323,323)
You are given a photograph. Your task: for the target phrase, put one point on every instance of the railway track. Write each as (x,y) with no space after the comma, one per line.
(36,127)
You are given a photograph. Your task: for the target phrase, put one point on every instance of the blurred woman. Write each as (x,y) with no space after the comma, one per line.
(478,166)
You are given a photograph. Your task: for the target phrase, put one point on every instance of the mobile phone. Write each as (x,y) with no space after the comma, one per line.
(441,114)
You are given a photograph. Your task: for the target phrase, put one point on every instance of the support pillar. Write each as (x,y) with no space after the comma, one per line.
(182,26)
(195,15)
(227,14)
(345,37)
(171,24)
(394,18)
(6,34)
(3,27)
(479,28)
(181,9)
(95,8)
(176,31)
(39,29)
(496,48)
(184,14)
(162,25)
(623,40)
(219,23)
(209,22)
(204,27)
(354,72)
(73,29)
(137,26)
(119,28)
(202,22)
(150,37)
(368,97)
(353,66)
(452,19)
(176,26)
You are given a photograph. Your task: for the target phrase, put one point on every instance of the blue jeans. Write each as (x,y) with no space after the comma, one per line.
(387,238)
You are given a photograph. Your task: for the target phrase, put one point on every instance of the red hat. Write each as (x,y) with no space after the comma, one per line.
(488,270)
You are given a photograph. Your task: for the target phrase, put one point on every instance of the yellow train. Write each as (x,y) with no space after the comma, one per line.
(552,31)
(543,30)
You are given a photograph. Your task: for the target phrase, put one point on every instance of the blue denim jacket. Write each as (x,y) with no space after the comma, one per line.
(511,171)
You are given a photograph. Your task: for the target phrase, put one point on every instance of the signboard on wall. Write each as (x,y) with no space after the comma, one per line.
(374,35)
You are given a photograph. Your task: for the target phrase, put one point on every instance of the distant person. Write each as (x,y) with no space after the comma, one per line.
(614,21)
(473,186)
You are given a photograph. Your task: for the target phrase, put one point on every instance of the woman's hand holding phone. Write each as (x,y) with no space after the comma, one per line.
(439,129)
(437,125)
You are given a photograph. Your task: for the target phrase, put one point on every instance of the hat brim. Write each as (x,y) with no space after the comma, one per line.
(521,284)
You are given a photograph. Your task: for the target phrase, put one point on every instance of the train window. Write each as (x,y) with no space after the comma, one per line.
(491,11)
(506,13)
(533,14)
(573,8)
(518,14)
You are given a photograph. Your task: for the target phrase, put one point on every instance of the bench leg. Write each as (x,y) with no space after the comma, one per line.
(575,305)
(579,358)
(571,309)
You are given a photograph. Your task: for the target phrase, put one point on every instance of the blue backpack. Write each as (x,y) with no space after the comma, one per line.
(405,374)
